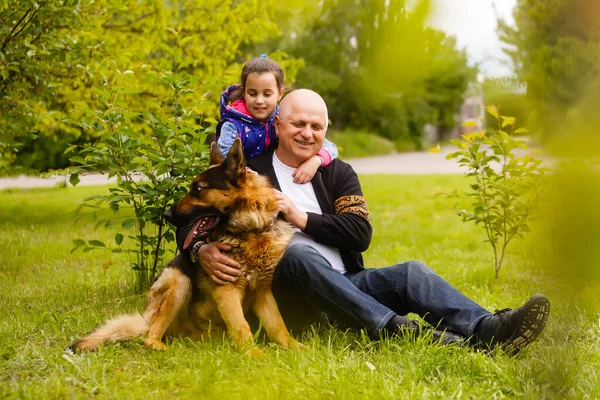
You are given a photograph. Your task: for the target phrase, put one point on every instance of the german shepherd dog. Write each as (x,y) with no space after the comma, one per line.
(230,205)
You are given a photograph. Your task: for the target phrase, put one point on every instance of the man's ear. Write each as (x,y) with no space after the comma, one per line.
(235,162)
(216,157)
(276,125)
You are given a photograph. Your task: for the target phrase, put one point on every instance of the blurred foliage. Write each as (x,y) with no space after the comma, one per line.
(505,196)
(53,55)
(573,227)
(377,65)
(556,49)
(354,143)
(555,46)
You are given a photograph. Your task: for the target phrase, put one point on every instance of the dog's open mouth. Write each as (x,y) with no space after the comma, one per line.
(201,228)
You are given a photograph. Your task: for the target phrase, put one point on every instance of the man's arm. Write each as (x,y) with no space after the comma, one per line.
(349,228)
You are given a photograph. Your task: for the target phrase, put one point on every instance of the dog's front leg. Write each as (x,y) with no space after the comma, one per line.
(229,304)
(265,307)
(169,296)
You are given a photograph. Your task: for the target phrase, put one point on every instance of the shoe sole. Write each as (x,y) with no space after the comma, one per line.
(532,324)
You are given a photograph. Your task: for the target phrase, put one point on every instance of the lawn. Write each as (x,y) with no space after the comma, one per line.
(49,297)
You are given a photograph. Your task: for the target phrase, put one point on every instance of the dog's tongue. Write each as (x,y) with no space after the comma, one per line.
(190,236)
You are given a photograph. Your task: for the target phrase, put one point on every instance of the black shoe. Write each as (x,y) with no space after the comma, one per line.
(512,330)
(399,325)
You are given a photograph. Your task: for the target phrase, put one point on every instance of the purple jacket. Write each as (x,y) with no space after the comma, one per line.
(256,136)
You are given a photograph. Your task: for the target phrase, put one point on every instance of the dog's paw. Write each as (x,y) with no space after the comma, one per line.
(154,344)
(255,352)
(296,345)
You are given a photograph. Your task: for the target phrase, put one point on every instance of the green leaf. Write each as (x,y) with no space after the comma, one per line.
(166,48)
(78,159)
(185,40)
(110,223)
(140,160)
(184,64)
(96,243)
(493,110)
(522,130)
(70,148)
(74,179)
(118,239)
(508,121)
(469,123)
(504,135)
(128,223)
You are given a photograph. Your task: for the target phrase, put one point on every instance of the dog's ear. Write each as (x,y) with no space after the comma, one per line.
(235,162)
(216,157)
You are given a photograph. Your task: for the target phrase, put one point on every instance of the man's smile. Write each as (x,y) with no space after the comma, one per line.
(303,143)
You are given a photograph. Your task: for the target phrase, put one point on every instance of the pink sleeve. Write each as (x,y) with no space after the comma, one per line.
(325,156)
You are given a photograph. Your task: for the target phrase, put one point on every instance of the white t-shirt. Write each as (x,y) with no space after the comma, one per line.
(304,197)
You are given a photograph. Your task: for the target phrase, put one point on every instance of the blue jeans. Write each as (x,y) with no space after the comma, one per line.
(304,283)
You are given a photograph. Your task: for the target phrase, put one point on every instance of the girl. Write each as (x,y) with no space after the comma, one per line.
(248,111)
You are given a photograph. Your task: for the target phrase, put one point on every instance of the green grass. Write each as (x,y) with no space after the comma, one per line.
(49,297)
(354,144)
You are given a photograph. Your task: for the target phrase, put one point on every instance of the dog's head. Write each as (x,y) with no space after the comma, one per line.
(211,194)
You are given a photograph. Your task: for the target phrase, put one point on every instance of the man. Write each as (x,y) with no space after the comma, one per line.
(323,267)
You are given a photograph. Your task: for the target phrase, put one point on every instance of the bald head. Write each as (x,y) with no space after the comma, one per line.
(301,126)
(305,98)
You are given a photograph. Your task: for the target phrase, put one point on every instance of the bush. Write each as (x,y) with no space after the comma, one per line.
(507,190)
(153,155)
(405,145)
(45,152)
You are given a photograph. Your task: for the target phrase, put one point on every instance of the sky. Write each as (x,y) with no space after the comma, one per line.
(473,22)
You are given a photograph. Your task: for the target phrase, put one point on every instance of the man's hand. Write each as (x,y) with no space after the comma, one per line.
(290,212)
(305,172)
(217,265)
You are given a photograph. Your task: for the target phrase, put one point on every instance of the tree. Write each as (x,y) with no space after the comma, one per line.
(55,54)
(377,65)
(555,46)
(38,45)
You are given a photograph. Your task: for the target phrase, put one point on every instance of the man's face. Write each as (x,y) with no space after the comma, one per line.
(301,132)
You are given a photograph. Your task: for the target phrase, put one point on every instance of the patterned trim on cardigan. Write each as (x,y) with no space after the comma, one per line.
(352,204)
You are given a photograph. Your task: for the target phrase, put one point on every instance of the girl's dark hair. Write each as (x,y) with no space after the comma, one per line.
(258,65)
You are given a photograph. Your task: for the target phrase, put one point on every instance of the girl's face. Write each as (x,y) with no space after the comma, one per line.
(261,94)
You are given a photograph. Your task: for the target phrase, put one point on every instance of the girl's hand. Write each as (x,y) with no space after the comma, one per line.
(305,172)
(291,213)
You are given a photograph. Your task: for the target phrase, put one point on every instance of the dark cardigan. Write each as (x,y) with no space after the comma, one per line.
(345,222)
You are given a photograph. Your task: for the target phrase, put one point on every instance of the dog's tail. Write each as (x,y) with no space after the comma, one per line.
(120,328)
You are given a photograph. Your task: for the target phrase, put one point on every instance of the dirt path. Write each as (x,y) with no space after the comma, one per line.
(418,163)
